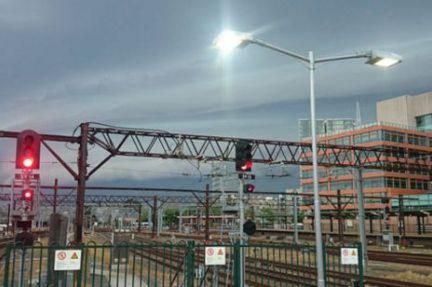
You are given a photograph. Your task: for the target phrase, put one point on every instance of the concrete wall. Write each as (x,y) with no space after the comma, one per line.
(403,110)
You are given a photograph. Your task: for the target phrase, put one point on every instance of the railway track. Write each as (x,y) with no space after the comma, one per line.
(401,257)
(5,241)
(385,282)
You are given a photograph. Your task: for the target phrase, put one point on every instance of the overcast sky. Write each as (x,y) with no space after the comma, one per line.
(151,64)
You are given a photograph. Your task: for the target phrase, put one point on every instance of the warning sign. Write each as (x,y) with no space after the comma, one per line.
(69,259)
(215,255)
(349,256)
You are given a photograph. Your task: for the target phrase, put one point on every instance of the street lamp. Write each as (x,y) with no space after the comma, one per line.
(229,40)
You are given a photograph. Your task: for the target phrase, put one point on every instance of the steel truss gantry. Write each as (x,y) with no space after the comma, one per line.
(162,144)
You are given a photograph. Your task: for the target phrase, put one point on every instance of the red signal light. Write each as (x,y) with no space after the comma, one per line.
(247,166)
(27,194)
(248,188)
(28,162)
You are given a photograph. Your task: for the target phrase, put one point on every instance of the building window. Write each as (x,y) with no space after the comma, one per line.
(323,187)
(341,185)
(417,140)
(337,171)
(419,155)
(396,182)
(393,136)
(419,171)
(307,187)
(397,152)
(424,122)
(372,136)
(373,182)
(419,184)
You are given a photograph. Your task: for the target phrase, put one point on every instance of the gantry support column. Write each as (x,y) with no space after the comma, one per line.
(81,186)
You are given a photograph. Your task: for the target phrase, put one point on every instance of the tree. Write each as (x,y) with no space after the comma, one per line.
(300,217)
(216,210)
(267,214)
(170,216)
(144,216)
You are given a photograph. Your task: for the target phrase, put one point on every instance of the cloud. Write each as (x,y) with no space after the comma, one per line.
(15,16)
(149,64)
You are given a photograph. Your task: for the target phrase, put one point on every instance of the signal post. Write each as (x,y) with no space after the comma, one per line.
(26,185)
(243,165)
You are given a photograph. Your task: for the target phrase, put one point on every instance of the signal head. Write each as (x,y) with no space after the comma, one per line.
(243,156)
(249,188)
(28,150)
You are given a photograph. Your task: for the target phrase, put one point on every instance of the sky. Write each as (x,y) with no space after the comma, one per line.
(151,64)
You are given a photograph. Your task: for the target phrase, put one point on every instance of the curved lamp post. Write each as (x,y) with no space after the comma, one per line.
(229,40)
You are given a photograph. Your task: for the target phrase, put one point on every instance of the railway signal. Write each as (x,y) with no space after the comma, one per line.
(249,227)
(28,150)
(243,156)
(248,188)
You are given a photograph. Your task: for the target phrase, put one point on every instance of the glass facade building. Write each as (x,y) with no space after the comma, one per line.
(399,142)
(324,127)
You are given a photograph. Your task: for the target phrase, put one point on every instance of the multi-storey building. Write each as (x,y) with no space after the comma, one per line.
(411,143)
(404,127)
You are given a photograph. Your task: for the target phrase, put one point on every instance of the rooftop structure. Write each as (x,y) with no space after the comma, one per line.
(324,126)
(412,111)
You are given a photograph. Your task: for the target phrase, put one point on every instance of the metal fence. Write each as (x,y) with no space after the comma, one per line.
(176,265)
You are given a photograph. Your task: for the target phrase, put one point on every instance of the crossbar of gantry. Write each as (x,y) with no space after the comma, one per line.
(162,144)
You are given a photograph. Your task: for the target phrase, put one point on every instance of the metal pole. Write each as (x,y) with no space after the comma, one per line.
(207,213)
(154,217)
(180,220)
(8,218)
(296,239)
(317,203)
(241,221)
(159,213)
(55,195)
(82,177)
(361,215)
(139,217)
(339,215)
(401,217)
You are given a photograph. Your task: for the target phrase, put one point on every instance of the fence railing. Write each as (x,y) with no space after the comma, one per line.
(180,264)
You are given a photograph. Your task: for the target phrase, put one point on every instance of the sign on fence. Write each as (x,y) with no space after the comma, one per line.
(215,255)
(349,256)
(67,259)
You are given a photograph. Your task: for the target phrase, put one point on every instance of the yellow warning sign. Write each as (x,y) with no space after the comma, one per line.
(220,252)
(74,256)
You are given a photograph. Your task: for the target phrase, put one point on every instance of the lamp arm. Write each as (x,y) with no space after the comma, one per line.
(344,57)
(278,49)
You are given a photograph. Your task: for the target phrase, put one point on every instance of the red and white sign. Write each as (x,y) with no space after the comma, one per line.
(349,256)
(68,259)
(215,255)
